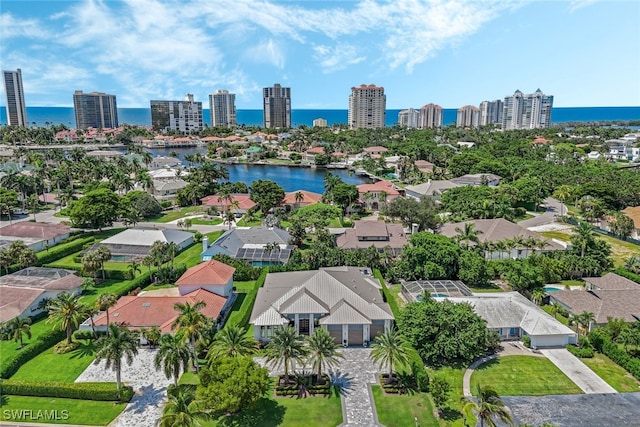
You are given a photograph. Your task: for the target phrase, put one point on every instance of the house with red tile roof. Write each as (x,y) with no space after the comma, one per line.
(244,202)
(374,195)
(311,153)
(212,275)
(377,150)
(292,200)
(36,235)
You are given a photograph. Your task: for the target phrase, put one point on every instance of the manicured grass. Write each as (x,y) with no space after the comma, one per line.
(396,291)
(189,378)
(191,255)
(244,286)
(287,412)
(68,260)
(523,376)
(403,410)
(613,374)
(111,285)
(9,349)
(559,317)
(58,367)
(451,413)
(178,214)
(82,412)
(215,221)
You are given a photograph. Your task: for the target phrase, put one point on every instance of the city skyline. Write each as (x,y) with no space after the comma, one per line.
(417,51)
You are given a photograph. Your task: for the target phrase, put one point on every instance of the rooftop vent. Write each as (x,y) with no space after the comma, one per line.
(146,304)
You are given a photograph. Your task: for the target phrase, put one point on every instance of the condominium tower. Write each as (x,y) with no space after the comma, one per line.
(491,112)
(430,117)
(468,117)
(184,116)
(277,106)
(529,111)
(14,94)
(95,110)
(409,118)
(222,107)
(367,107)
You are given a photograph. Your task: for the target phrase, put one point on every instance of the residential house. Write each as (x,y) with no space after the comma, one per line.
(374,196)
(311,153)
(375,151)
(632,212)
(242,201)
(431,188)
(488,179)
(167,189)
(252,244)
(135,243)
(35,235)
(163,162)
(424,166)
(300,198)
(346,301)
(379,234)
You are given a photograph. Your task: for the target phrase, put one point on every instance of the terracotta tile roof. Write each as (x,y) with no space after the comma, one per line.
(34,230)
(207,273)
(147,310)
(244,201)
(309,198)
(15,300)
(633,212)
(315,150)
(376,149)
(378,187)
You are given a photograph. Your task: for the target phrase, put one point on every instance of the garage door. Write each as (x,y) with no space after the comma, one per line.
(336,333)
(543,341)
(355,335)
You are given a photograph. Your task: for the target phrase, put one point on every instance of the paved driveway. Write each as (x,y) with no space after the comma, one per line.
(577,371)
(150,386)
(554,208)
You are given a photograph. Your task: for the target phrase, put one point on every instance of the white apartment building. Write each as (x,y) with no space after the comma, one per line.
(491,112)
(222,108)
(409,118)
(184,116)
(468,117)
(530,111)
(367,107)
(319,123)
(14,97)
(431,116)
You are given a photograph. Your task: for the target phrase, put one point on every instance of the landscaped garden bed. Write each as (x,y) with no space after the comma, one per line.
(303,386)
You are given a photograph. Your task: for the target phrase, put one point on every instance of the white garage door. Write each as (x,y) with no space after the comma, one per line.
(544,341)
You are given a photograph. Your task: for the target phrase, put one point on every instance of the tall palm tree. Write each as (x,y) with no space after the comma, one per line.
(488,406)
(555,307)
(232,341)
(190,324)
(585,319)
(104,255)
(285,347)
(323,351)
(172,356)
(229,218)
(20,327)
(118,344)
(133,268)
(537,295)
(299,198)
(182,408)
(468,234)
(391,350)
(66,312)
(104,302)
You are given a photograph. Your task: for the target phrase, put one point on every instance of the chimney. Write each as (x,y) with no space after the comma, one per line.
(414,228)
(205,243)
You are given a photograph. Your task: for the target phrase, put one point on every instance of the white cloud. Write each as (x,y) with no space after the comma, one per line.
(267,51)
(579,4)
(13,27)
(335,58)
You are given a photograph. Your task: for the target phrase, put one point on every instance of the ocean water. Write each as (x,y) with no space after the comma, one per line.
(142,116)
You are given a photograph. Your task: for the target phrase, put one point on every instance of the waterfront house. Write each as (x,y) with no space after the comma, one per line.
(373,196)
(311,153)
(347,301)
(379,234)
(244,203)
(431,188)
(300,198)
(256,245)
(375,151)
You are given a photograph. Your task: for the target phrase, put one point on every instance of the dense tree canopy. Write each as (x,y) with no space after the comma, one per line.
(98,208)
(429,256)
(409,211)
(267,194)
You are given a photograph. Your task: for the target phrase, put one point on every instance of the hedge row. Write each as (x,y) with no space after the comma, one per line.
(247,305)
(85,391)
(582,352)
(622,358)
(628,274)
(68,247)
(142,281)
(386,294)
(42,343)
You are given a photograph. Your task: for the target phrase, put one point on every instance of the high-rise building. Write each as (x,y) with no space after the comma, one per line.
(319,123)
(491,112)
(277,106)
(529,111)
(14,94)
(184,116)
(409,118)
(367,107)
(430,117)
(95,110)
(468,117)
(222,106)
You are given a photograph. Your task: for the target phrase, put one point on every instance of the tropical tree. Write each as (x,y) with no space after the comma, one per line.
(468,234)
(633,264)
(104,302)
(232,341)
(391,350)
(285,347)
(228,218)
(537,295)
(66,312)
(172,356)
(585,319)
(91,262)
(487,407)
(323,351)
(555,307)
(182,408)
(190,324)
(103,254)
(133,268)
(20,327)
(119,343)
(299,196)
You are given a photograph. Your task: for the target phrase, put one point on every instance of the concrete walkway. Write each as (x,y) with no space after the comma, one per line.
(577,371)
(355,375)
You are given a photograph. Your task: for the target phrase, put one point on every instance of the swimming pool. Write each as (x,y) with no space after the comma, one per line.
(552,289)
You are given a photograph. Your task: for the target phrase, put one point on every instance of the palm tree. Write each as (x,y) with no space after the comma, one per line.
(67,312)
(104,255)
(390,349)
(182,408)
(555,307)
(468,234)
(299,198)
(585,319)
(563,193)
(133,268)
(119,343)
(232,341)
(229,218)
(285,347)
(574,320)
(537,296)
(172,356)
(104,302)
(488,406)
(190,323)
(20,327)
(323,351)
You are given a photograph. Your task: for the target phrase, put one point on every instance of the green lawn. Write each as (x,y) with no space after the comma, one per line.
(614,375)
(111,285)
(403,410)
(109,265)
(57,367)
(487,289)
(177,214)
(559,317)
(191,255)
(396,291)
(451,414)
(215,221)
(82,412)
(287,412)
(9,349)
(523,376)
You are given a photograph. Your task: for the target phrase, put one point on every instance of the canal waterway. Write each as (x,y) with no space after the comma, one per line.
(289,178)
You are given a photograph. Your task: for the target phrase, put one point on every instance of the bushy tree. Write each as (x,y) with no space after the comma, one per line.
(143,203)
(409,211)
(98,208)
(266,194)
(473,269)
(428,327)
(230,384)
(429,256)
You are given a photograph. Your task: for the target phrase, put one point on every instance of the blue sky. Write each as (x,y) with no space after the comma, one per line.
(453,53)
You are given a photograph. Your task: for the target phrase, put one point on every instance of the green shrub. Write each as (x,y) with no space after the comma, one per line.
(526,341)
(582,352)
(85,391)
(386,295)
(622,358)
(628,274)
(598,337)
(44,342)
(250,299)
(66,248)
